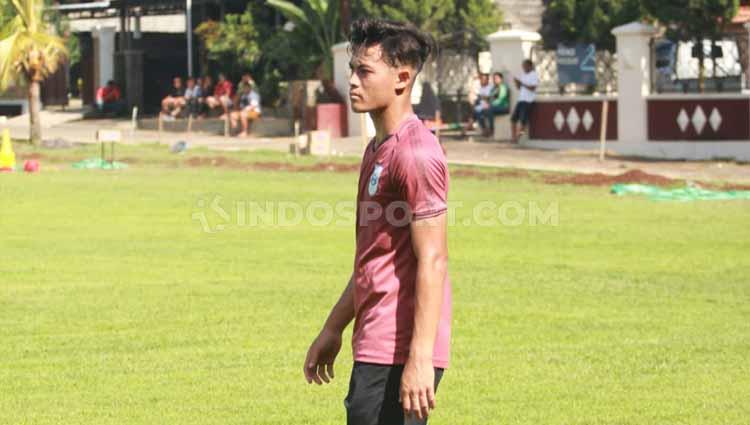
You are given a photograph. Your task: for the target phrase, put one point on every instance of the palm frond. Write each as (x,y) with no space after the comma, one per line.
(27,49)
(9,53)
(290,11)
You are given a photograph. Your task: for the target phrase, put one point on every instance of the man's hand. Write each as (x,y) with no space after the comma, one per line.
(320,357)
(418,388)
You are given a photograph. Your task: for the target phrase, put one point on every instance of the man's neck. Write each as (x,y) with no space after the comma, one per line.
(389,119)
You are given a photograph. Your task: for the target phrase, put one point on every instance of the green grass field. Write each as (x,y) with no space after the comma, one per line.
(116,307)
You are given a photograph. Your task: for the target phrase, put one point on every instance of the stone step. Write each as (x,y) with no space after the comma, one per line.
(265,127)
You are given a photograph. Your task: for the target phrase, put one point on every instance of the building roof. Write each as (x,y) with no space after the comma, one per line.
(95,9)
(173,24)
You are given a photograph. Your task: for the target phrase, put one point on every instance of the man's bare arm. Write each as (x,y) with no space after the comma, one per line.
(429,242)
(343,312)
(322,353)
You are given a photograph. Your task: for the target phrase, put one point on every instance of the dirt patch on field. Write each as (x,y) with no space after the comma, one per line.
(218,161)
(224,162)
(26,156)
(485,175)
(599,179)
(319,167)
(724,186)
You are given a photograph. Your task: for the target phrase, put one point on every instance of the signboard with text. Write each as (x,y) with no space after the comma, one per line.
(576,64)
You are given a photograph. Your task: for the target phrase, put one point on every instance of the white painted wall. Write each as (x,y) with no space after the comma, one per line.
(633,81)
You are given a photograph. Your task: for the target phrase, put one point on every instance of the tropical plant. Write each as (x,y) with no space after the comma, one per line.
(28,52)
(318,19)
(444,19)
(232,40)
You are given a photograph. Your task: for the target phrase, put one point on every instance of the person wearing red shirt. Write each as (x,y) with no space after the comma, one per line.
(109,99)
(222,96)
(399,293)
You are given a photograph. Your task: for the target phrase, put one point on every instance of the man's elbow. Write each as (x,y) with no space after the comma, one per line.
(436,260)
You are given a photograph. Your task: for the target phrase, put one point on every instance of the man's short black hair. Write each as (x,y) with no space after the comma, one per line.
(528,62)
(402,43)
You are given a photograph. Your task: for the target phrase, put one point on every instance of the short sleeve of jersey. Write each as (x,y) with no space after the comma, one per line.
(420,174)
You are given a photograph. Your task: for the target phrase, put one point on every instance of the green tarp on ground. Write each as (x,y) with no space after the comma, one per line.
(98,163)
(682,194)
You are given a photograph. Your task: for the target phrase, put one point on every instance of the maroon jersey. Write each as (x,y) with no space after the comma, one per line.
(403,179)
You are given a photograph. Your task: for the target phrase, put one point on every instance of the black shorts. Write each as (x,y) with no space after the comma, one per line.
(522,113)
(373,395)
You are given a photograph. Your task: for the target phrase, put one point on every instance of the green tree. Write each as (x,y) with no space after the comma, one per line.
(693,20)
(425,14)
(29,53)
(586,21)
(233,40)
(315,19)
(439,17)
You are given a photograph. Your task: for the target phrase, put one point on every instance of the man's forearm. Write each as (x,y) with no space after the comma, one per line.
(343,312)
(428,304)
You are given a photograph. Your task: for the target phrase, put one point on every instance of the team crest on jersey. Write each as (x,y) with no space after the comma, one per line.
(372,188)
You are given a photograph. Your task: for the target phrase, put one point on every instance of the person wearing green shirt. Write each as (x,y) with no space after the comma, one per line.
(499,101)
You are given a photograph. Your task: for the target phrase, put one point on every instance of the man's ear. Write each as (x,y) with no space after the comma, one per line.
(403,79)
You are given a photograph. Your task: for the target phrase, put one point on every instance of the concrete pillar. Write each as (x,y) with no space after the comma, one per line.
(508,50)
(104,55)
(341,74)
(633,80)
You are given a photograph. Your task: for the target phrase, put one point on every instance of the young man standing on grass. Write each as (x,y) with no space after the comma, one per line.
(399,293)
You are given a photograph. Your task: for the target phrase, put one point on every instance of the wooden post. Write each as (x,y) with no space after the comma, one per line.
(134,124)
(190,124)
(160,127)
(226,125)
(111,137)
(603,135)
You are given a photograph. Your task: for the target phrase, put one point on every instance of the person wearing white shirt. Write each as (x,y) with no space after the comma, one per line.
(250,110)
(527,84)
(482,103)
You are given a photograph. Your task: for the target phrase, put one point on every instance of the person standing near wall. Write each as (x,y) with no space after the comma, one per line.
(527,84)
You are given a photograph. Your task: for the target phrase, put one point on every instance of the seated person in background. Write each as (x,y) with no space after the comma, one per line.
(109,99)
(222,97)
(207,88)
(499,101)
(482,104)
(243,86)
(190,98)
(173,102)
(249,102)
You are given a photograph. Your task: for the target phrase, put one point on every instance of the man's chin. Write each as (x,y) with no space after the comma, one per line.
(359,109)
